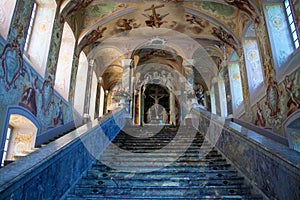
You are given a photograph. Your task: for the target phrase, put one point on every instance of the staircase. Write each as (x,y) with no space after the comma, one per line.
(153,166)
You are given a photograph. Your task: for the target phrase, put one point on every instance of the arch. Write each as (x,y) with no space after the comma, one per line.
(156,51)
(64,62)
(17,110)
(7,8)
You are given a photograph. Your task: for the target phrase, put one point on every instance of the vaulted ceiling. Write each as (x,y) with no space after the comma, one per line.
(109,31)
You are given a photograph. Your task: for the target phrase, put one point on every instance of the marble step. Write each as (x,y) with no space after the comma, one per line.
(196,158)
(184,161)
(151,167)
(190,155)
(145,169)
(162,162)
(169,147)
(161,182)
(157,179)
(161,139)
(169,169)
(162,191)
(185,197)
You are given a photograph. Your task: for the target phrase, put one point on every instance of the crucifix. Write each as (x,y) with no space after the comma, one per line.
(155,19)
(156,97)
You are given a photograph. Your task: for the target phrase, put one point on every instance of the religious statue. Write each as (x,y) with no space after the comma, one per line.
(245,6)
(47,95)
(75,6)
(273,97)
(156,99)
(155,20)
(292,103)
(164,116)
(127,24)
(196,20)
(92,37)
(28,99)
(224,37)
(259,118)
(58,119)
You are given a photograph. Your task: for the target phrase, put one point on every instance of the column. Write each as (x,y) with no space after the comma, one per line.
(172,109)
(126,82)
(141,113)
(263,42)
(245,86)
(88,89)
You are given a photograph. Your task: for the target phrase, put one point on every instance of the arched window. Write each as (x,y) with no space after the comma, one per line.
(282,32)
(81,79)
(235,84)
(39,33)
(64,63)
(253,65)
(7,8)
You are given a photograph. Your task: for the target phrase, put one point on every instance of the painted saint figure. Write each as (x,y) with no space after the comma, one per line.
(292,103)
(273,97)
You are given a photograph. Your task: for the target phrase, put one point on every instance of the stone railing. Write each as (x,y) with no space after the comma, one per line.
(271,167)
(51,171)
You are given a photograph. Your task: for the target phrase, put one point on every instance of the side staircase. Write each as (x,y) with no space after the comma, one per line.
(41,141)
(172,164)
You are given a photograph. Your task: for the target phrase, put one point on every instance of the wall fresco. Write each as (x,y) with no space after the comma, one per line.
(279,103)
(12,65)
(20,84)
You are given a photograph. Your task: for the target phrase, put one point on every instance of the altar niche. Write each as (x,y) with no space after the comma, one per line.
(156,104)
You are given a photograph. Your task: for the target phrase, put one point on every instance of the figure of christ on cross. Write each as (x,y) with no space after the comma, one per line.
(155,20)
(156,97)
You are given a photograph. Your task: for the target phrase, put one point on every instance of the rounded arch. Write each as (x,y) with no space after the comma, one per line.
(20,111)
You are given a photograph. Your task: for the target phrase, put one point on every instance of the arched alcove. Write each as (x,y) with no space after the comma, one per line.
(20,130)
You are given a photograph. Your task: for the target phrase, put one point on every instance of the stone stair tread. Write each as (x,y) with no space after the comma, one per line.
(102,168)
(163,191)
(143,172)
(206,197)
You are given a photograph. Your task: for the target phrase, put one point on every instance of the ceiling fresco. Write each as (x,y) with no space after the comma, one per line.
(211,24)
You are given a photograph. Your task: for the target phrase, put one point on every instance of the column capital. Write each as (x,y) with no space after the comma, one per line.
(188,62)
(126,62)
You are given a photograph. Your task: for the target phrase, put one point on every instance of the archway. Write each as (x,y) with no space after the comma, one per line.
(156,104)
(20,131)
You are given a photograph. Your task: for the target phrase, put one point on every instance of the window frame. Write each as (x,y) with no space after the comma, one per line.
(8,137)
(30,27)
(291,23)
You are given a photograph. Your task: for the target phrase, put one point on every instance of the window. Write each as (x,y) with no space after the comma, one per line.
(253,65)
(6,145)
(80,87)
(7,8)
(235,84)
(29,31)
(279,29)
(39,33)
(291,22)
(64,63)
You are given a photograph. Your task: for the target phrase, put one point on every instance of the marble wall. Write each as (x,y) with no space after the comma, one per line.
(271,167)
(53,170)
